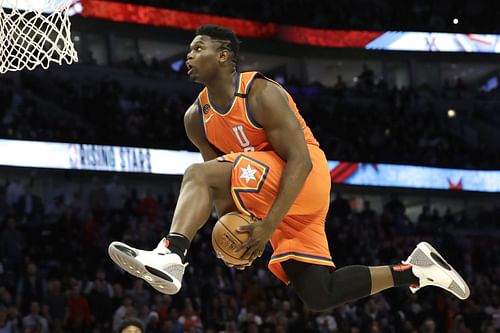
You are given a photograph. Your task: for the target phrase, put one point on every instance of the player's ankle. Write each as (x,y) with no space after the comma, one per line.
(178,244)
(402,275)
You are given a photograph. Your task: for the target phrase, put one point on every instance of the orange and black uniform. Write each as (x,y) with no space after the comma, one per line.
(257,171)
(301,255)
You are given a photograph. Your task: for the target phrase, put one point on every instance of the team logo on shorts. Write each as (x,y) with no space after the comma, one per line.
(251,173)
(248,173)
(206,107)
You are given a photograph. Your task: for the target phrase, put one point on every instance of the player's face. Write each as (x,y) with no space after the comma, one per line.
(203,59)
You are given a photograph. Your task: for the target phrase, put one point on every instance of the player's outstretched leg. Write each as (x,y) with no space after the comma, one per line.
(321,289)
(163,268)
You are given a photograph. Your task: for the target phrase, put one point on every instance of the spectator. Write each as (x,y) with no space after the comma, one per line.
(339,88)
(124,311)
(367,213)
(149,206)
(57,207)
(34,322)
(30,206)
(139,294)
(326,323)
(99,293)
(132,325)
(15,190)
(56,301)
(117,194)
(97,196)
(12,245)
(340,206)
(428,326)
(30,288)
(395,206)
(6,324)
(132,202)
(78,314)
(190,318)
(366,79)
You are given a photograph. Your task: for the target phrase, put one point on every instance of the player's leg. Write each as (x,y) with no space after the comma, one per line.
(202,185)
(163,268)
(321,288)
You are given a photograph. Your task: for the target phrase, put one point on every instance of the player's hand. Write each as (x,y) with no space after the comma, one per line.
(240,267)
(260,233)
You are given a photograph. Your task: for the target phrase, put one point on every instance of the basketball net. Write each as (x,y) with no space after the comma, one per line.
(35,33)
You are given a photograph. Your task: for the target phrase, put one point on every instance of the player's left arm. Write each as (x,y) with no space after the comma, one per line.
(270,108)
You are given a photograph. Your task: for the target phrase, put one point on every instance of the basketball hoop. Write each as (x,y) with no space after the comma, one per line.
(35,33)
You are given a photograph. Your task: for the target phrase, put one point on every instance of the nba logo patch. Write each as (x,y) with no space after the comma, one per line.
(206,107)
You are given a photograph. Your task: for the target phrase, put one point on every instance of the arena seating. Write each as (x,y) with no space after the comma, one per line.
(53,257)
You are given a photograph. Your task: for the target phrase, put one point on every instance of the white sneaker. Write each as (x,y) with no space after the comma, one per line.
(432,270)
(161,268)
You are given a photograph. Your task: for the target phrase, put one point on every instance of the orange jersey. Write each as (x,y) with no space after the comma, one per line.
(257,172)
(234,130)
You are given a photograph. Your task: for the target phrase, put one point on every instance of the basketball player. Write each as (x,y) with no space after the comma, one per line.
(262,160)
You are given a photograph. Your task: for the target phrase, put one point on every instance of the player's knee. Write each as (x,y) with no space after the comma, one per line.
(195,172)
(320,301)
(321,293)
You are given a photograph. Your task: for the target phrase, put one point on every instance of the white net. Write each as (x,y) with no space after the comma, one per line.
(35,33)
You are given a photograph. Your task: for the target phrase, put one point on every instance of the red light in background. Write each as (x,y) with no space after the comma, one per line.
(131,13)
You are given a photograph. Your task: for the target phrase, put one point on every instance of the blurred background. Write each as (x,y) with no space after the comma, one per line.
(402,95)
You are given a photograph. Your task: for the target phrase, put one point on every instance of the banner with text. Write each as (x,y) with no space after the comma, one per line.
(74,156)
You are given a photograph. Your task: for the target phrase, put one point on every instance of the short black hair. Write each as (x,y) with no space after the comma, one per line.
(226,36)
(131,322)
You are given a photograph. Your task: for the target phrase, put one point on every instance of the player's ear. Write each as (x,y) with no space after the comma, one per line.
(224,56)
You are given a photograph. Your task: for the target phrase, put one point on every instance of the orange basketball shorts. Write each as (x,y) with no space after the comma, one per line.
(255,182)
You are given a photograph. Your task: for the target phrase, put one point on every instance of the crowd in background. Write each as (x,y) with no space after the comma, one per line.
(55,275)
(369,122)
(416,15)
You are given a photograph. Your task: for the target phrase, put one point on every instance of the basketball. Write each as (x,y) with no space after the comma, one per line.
(225,238)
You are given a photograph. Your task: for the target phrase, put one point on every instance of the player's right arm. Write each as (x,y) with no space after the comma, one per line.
(196,133)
